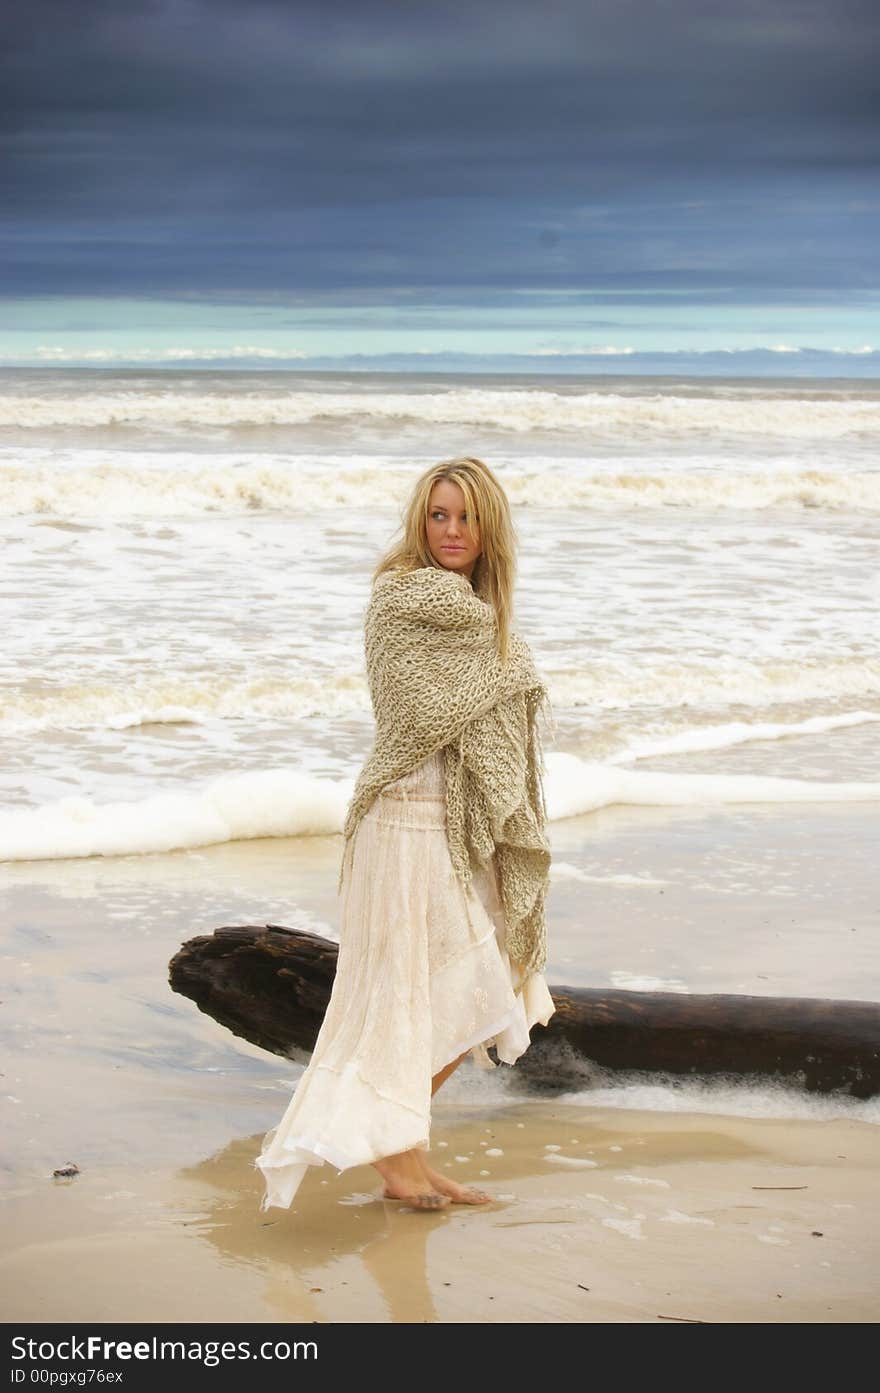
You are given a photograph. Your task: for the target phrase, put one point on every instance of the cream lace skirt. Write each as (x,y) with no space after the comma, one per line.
(422,977)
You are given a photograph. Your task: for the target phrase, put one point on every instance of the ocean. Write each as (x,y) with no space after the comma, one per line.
(183,707)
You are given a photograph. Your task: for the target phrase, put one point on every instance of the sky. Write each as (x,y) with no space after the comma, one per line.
(397,182)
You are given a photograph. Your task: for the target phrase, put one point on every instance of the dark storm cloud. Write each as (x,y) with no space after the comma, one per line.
(332,149)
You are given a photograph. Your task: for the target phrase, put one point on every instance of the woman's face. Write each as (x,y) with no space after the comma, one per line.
(450,539)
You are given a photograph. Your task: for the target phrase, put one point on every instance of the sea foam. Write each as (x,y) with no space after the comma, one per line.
(289,803)
(117,484)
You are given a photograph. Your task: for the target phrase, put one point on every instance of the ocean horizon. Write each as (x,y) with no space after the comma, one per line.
(786,362)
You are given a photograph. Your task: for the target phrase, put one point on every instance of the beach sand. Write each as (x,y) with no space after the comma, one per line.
(640,1215)
(637,1217)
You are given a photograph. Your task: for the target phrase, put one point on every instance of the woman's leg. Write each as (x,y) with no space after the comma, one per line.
(408,1175)
(458,1194)
(405,1174)
(444,1073)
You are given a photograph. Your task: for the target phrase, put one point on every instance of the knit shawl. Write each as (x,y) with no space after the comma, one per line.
(437,682)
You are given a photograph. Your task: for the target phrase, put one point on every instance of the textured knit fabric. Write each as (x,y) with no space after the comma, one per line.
(437,681)
(422,977)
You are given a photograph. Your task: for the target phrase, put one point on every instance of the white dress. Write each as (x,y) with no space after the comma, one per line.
(422,977)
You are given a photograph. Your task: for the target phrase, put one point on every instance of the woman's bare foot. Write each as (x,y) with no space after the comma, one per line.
(427,1199)
(405,1180)
(458,1194)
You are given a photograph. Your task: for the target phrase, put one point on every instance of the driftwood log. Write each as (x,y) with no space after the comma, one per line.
(270,985)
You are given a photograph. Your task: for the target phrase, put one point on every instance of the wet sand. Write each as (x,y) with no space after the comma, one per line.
(640,1215)
(636,1217)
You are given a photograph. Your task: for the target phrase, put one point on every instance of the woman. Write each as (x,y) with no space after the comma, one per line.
(445,861)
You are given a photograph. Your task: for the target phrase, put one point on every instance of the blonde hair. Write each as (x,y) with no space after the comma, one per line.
(494,573)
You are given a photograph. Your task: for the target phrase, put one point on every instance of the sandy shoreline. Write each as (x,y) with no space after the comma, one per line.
(637,1217)
(164,1110)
